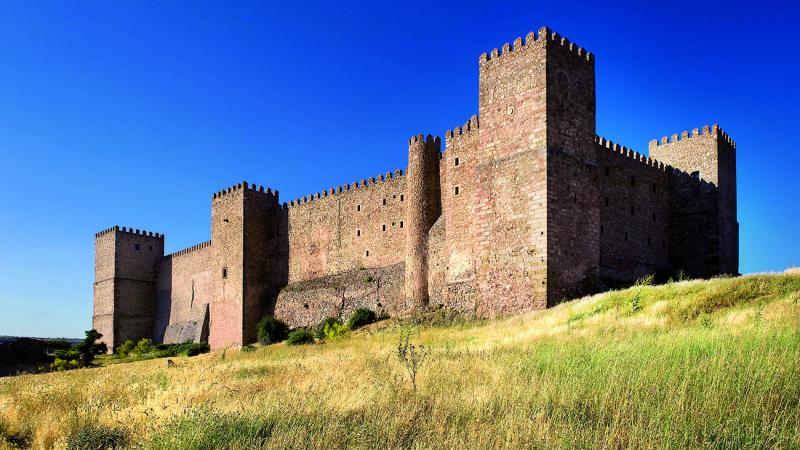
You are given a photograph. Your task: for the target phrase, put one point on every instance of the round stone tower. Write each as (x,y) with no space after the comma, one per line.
(422,210)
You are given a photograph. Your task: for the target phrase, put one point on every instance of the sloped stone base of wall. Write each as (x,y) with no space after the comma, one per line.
(307,303)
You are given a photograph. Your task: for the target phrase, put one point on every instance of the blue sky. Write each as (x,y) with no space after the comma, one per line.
(134,113)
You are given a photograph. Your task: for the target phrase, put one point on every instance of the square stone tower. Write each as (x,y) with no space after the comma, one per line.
(535,224)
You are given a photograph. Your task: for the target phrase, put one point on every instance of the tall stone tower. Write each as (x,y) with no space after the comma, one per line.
(703,214)
(126,264)
(244,240)
(536,214)
(423,208)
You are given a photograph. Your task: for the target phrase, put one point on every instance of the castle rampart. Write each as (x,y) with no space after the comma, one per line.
(525,207)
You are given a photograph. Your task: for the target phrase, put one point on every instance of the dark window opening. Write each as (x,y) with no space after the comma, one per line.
(456,161)
(384,202)
(384,227)
(358,233)
(633,181)
(367,253)
(402,197)
(224,272)
(606,201)
(633,211)
(393,224)
(601,229)
(394,196)
(305,305)
(358,207)
(654,188)
(607,171)
(136,246)
(457,190)
(150,247)
(401,224)
(626,235)
(696,174)
(654,217)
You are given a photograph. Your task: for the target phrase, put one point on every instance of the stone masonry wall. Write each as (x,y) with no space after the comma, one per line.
(186,287)
(350,227)
(634,214)
(459,163)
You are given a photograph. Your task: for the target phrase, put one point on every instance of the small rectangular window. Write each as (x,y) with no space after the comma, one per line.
(401,224)
(456,161)
(384,202)
(633,211)
(606,201)
(654,188)
(457,190)
(393,224)
(358,207)
(654,217)
(366,253)
(358,233)
(136,246)
(224,272)
(402,197)
(384,227)
(607,171)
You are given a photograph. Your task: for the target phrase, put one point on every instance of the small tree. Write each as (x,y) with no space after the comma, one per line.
(89,348)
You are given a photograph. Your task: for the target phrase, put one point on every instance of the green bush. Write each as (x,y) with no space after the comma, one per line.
(126,348)
(360,317)
(271,330)
(98,437)
(330,328)
(64,364)
(143,347)
(300,336)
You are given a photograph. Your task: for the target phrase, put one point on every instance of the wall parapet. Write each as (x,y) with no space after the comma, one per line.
(244,185)
(187,250)
(544,33)
(467,129)
(713,130)
(629,153)
(334,191)
(138,232)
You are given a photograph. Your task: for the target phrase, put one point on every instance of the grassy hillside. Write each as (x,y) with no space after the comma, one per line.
(691,364)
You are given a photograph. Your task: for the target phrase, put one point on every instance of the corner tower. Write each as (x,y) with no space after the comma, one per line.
(424,207)
(536,212)
(126,264)
(703,225)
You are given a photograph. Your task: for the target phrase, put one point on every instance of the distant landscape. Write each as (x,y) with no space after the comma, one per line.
(703,363)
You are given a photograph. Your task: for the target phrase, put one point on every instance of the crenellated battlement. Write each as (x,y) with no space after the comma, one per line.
(467,129)
(713,131)
(187,250)
(429,139)
(334,191)
(244,185)
(629,153)
(136,231)
(544,33)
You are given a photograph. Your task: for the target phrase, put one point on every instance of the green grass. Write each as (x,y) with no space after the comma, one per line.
(690,364)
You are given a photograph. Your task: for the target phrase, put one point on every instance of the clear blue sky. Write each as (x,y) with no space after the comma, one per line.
(134,113)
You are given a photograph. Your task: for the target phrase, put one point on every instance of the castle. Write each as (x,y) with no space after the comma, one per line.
(524,208)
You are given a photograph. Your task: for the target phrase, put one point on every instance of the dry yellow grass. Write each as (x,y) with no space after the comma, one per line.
(697,363)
